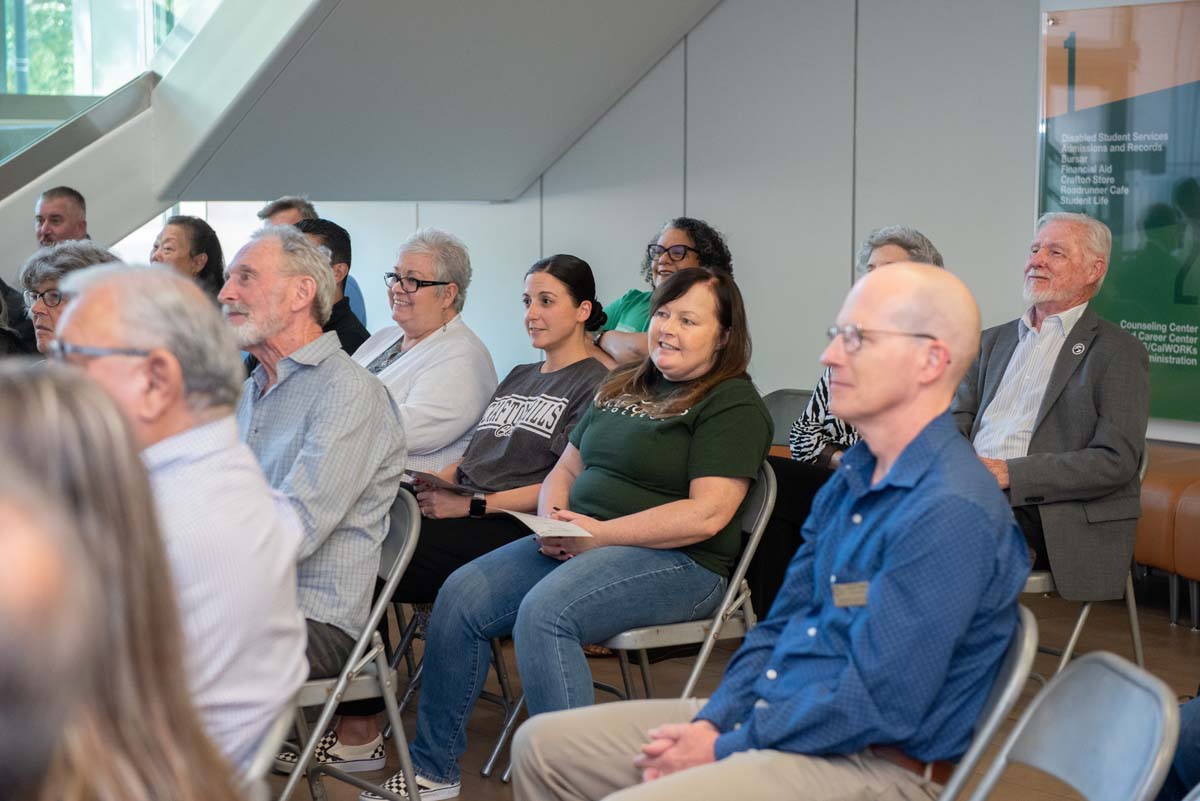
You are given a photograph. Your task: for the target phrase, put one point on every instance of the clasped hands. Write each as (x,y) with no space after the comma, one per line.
(676,746)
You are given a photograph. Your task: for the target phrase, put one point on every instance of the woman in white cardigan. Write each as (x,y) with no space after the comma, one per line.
(438,371)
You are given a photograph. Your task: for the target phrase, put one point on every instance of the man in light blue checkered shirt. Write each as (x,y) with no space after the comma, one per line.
(324,429)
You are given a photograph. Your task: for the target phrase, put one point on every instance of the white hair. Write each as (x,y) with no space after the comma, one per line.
(302,258)
(158,308)
(451,261)
(1097,238)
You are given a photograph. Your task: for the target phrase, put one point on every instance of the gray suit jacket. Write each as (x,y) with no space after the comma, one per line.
(1081,471)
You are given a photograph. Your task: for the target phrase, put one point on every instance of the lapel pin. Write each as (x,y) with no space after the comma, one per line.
(1077,348)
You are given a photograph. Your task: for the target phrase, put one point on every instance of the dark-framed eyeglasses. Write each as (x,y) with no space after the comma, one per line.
(853,335)
(51,297)
(408,284)
(59,351)
(674,253)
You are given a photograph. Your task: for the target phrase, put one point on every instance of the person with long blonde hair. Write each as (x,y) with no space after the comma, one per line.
(136,737)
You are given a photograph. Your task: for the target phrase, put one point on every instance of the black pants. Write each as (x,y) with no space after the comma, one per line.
(1030,521)
(797,484)
(443,547)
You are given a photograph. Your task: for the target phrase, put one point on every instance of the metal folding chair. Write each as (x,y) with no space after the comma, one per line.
(1041,582)
(1014,672)
(1102,725)
(784,406)
(367,673)
(734,617)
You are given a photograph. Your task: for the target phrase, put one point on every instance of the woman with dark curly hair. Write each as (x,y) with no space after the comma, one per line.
(681,243)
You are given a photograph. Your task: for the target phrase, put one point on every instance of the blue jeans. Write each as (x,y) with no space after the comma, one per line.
(551,608)
(1185,767)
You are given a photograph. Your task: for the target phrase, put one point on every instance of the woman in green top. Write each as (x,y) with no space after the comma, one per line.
(655,472)
(681,243)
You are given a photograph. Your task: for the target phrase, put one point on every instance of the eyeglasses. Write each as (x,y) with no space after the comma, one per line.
(60,350)
(852,335)
(408,284)
(674,253)
(51,297)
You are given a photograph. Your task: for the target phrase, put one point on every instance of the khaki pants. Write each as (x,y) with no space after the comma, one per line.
(587,754)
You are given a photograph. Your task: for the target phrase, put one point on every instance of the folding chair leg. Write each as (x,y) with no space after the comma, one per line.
(502,673)
(626,679)
(1071,643)
(1135,631)
(506,732)
(399,741)
(644,664)
(411,689)
(1194,603)
(507,777)
(1173,594)
(310,746)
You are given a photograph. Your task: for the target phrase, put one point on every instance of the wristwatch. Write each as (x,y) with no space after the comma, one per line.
(478,505)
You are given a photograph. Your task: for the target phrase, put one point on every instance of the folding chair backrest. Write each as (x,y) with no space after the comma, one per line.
(756,511)
(1014,672)
(1102,725)
(784,406)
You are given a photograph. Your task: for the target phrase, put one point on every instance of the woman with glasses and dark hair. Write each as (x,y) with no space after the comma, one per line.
(654,473)
(523,432)
(681,243)
(438,371)
(41,274)
(191,247)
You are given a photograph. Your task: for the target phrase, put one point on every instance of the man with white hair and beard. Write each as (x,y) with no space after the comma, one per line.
(1056,407)
(324,429)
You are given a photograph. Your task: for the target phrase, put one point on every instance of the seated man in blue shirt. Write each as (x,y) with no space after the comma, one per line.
(866,678)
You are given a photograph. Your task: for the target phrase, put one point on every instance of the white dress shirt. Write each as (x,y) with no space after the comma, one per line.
(441,387)
(1007,423)
(231,542)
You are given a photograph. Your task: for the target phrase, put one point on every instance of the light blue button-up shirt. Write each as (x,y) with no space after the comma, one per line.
(231,542)
(329,437)
(911,663)
(1006,428)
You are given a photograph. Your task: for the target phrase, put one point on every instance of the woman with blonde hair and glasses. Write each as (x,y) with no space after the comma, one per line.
(135,737)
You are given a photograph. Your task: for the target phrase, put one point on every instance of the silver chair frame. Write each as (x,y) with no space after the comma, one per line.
(1076,730)
(253,779)
(1042,582)
(1014,672)
(733,618)
(367,673)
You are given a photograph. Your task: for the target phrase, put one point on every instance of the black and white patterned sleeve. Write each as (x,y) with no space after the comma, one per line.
(816,429)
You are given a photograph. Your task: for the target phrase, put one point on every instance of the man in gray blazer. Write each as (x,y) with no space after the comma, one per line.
(1056,407)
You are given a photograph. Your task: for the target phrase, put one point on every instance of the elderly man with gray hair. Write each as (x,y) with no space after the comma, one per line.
(1056,406)
(155,342)
(324,430)
(44,302)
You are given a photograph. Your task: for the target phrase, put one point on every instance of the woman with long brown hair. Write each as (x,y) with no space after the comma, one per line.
(655,473)
(135,737)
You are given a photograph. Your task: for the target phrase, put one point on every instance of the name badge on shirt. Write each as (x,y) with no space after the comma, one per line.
(853,593)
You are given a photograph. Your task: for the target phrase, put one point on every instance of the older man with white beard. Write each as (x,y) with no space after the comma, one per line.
(324,429)
(1056,407)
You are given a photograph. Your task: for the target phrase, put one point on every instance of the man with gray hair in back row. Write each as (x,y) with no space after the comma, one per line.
(155,342)
(325,430)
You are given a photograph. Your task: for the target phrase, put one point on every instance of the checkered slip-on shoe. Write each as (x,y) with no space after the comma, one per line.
(428,790)
(331,751)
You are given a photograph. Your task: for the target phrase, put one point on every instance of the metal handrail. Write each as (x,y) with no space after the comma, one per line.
(40,156)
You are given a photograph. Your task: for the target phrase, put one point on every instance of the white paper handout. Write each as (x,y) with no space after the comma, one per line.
(544,526)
